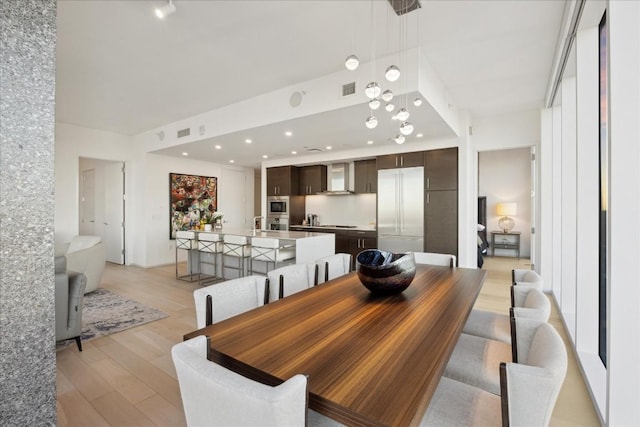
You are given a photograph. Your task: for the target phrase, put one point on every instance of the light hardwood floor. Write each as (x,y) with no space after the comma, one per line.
(128,379)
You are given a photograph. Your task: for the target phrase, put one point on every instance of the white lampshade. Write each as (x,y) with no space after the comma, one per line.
(507,209)
(417,102)
(374,104)
(389,107)
(399,139)
(351,62)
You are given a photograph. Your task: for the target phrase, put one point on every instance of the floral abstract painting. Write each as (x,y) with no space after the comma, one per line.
(193,201)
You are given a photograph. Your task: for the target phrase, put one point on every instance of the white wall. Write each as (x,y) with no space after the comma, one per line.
(73,142)
(147,189)
(505,176)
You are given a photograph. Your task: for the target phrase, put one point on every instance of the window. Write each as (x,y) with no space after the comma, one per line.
(604,185)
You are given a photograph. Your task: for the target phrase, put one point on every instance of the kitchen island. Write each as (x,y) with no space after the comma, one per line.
(309,246)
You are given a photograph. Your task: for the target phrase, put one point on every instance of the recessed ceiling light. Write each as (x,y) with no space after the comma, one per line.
(419,135)
(184,153)
(248,141)
(329,147)
(264,156)
(369,142)
(218,147)
(232,161)
(288,133)
(294,152)
(166,10)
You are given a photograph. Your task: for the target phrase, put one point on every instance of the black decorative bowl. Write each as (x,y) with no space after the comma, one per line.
(385,273)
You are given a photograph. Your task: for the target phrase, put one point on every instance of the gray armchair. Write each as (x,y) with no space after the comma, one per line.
(69,296)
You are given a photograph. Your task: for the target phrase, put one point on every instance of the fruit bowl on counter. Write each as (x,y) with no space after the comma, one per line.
(385,273)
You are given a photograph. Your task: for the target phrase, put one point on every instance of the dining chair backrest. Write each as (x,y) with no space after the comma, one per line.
(529,302)
(333,266)
(529,388)
(213,395)
(230,298)
(526,277)
(432,258)
(290,279)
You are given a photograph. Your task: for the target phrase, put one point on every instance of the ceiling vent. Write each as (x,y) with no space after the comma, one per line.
(184,132)
(349,89)
(400,7)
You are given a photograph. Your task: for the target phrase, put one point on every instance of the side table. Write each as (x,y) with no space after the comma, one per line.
(502,240)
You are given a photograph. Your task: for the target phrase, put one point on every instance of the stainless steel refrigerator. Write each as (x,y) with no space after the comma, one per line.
(401,209)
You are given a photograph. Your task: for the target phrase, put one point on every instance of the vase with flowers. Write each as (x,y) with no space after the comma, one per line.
(217,220)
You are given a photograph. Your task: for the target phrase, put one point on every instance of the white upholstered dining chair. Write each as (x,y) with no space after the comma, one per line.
(529,389)
(213,395)
(288,280)
(230,298)
(476,361)
(527,302)
(433,258)
(333,266)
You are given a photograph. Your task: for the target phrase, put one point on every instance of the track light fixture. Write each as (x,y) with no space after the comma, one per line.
(166,10)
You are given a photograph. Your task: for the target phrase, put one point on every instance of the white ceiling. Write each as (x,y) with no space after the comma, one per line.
(121,69)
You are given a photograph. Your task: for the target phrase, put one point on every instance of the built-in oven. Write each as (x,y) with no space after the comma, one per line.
(278,206)
(278,223)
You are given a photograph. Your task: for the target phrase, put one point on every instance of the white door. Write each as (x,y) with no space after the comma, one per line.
(88,203)
(114,206)
(232,199)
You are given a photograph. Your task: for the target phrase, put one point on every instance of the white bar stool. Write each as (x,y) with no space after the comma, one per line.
(269,250)
(209,246)
(237,247)
(186,240)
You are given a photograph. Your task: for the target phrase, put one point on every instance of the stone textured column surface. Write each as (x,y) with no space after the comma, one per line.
(27,117)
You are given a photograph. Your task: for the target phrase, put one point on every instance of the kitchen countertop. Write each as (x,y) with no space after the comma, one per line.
(336,227)
(290,235)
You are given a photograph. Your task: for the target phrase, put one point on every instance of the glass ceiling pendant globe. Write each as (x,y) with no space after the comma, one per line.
(417,102)
(372,90)
(403,114)
(399,139)
(392,73)
(351,62)
(406,128)
(371,122)
(387,95)
(374,104)
(389,107)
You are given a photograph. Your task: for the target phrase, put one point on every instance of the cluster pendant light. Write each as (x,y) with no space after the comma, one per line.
(377,96)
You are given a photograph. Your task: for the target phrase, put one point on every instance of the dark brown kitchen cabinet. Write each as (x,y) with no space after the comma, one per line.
(441,169)
(282,181)
(366,176)
(441,222)
(361,240)
(342,242)
(402,160)
(313,179)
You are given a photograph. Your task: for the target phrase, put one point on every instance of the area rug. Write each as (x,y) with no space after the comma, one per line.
(105,312)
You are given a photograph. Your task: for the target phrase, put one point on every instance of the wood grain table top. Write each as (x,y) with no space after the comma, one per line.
(370,360)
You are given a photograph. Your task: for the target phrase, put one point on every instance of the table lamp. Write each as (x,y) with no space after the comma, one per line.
(506,210)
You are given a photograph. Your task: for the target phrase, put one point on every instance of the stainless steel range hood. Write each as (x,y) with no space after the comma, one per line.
(337,180)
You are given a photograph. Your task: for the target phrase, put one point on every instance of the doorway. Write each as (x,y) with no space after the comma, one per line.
(102,205)
(508,176)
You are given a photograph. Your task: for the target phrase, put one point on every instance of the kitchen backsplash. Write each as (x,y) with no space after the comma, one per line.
(356,209)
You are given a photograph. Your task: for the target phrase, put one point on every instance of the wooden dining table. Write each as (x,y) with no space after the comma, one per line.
(370,360)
